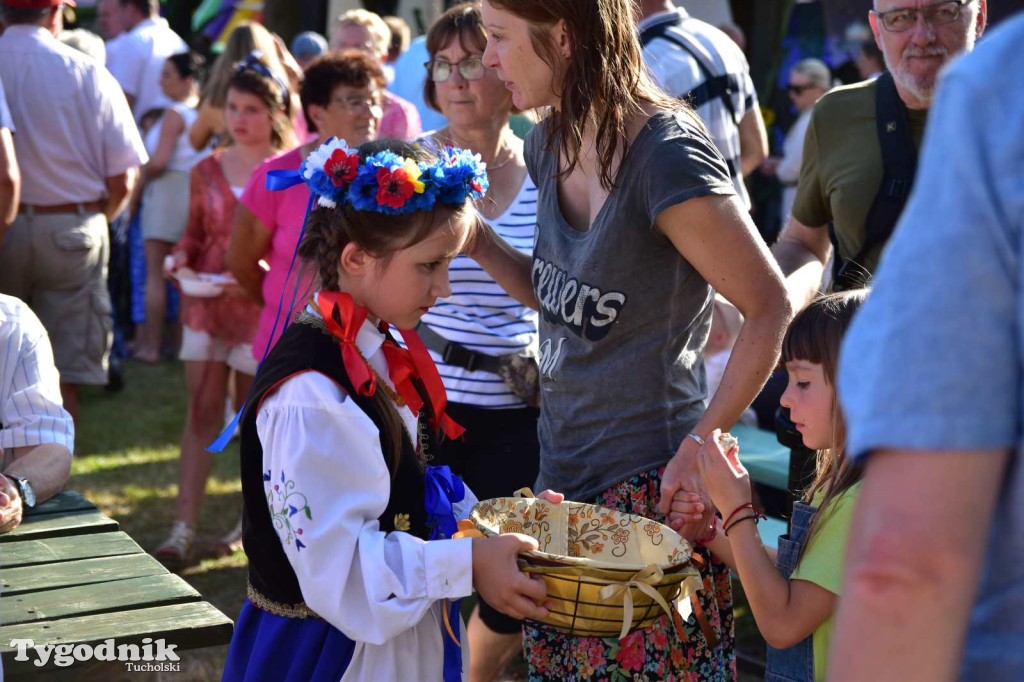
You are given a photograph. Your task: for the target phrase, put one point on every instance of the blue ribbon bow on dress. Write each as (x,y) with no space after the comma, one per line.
(443,489)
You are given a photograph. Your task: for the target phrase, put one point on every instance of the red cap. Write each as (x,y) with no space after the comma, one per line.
(37,4)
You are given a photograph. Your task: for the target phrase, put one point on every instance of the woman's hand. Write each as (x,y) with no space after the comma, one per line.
(177,259)
(726,478)
(497,577)
(683,475)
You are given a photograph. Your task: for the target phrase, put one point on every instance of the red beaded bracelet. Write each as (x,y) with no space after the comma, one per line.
(714,532)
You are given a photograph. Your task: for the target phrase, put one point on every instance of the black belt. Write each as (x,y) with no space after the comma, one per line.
(457,355)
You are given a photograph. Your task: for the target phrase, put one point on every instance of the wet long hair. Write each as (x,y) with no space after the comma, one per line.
(815,335)
(603,83)
(329,230)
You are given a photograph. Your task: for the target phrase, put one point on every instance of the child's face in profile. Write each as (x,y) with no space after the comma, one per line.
(809,399)
(400,289)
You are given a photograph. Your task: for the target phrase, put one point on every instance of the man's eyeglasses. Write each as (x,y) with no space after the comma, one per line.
(798,89)
(471,69)
(939,14)
(356,104)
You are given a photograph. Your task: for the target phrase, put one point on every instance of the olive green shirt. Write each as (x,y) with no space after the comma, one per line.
(842,166)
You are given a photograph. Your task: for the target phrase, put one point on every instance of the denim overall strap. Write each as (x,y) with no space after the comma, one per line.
(796,663)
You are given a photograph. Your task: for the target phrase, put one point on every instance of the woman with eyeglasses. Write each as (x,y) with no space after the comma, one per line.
(480,325)
(341,95)
(808,81)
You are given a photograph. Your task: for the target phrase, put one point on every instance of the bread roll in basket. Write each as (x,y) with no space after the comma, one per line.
(607,572)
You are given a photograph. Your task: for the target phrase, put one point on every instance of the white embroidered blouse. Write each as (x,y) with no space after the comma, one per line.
(382,590)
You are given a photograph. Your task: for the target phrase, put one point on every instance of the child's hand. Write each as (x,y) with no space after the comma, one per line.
(726,478)
(500,582)
(551,496)
(686,506)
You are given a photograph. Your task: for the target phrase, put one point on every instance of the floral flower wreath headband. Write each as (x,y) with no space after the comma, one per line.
(388,183)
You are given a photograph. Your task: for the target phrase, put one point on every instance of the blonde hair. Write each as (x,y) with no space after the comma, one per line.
(815,71)
(371,21)
(85,42)
(246,38)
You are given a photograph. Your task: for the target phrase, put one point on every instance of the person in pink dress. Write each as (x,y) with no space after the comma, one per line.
(359,29)
(218,331)
(341,97)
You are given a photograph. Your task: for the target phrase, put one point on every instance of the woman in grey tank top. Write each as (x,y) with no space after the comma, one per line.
(638,224)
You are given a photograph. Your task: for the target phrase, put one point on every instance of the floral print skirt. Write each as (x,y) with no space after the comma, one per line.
(654,653)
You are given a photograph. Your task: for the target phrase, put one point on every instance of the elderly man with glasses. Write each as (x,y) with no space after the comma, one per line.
(860,153)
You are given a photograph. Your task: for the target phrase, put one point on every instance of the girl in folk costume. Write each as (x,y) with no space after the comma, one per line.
(353,570)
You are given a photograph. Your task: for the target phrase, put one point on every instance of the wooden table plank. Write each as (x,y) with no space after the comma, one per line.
(54,550)
(83,600)
(65,501)
(84,572)
(60,524)
(187,626)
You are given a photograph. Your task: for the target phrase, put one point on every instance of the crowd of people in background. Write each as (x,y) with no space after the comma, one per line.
(616,308)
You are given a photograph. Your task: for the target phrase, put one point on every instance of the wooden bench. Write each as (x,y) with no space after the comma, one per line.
(68,575)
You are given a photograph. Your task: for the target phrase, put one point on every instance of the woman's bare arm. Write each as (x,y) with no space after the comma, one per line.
(716,236)
(509,268)
(250,241)
(172,125)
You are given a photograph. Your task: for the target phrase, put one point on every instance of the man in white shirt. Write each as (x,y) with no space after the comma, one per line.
(108,20)
(36,434)
(140,54)
(692,59)
(10,178)
(78,153)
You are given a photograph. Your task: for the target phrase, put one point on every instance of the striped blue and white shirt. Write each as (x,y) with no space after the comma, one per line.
(31,409)
(481,316)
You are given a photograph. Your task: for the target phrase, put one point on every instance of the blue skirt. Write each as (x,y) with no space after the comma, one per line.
(269,647)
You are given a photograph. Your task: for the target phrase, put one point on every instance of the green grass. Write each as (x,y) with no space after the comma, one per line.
(126,463)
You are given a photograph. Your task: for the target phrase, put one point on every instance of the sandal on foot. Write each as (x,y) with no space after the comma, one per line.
(229,544)
(176,551)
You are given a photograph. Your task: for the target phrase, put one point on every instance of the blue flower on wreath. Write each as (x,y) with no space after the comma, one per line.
(464,174)
(388,183)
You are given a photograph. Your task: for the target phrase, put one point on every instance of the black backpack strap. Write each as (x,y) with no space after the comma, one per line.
(721,87)
(899,163)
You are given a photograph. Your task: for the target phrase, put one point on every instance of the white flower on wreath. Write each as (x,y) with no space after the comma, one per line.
(316,163)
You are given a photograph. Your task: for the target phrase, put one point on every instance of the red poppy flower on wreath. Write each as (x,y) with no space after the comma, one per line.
(342,167)
(394,187)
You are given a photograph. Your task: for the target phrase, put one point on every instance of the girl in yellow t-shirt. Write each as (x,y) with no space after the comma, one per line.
(793,592)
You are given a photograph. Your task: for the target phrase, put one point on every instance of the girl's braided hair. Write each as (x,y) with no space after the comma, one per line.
(329,230)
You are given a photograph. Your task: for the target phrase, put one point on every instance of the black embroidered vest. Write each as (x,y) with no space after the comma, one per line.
(303,347)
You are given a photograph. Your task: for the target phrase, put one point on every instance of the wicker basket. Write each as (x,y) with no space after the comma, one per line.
(606,572)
